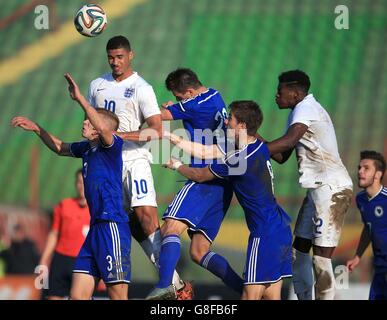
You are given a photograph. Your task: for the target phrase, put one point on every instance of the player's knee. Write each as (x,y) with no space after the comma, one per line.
(171,226)
(118,292)
(252,292)
(325,278)
(301,244)
(79,295)
(302,273)
(200,246)
(325,252)
(197,254)
(147,217)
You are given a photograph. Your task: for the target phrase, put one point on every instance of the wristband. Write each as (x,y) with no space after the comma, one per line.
(176,165)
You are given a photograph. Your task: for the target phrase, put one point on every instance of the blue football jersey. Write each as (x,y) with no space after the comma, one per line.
(102,173)
(374,215)
(250,173)
(205,112)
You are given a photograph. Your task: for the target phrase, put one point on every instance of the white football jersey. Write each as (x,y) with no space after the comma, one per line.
(318,157)
(132,100)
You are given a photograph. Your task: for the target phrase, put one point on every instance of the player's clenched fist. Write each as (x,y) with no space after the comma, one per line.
(173,164)
(24,123)
(352,264)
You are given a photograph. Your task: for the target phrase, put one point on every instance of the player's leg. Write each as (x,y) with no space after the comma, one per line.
(267,291)
(85,273)
(170,250)
(117,291)
(111,250)
(214,262)
(302,260)
(253,291)
(169,256)
(273,291)
(331,206)
(378,289)
(323,270)
(145,225)
(268,261)
(213,201)
(82,287)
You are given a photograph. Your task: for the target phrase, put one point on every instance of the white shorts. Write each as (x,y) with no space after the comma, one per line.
(138,184)
(322,214)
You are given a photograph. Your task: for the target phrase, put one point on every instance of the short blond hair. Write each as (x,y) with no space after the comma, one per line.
(111,117)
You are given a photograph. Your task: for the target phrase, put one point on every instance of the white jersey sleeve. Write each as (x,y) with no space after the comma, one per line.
(147,102)
(90,96)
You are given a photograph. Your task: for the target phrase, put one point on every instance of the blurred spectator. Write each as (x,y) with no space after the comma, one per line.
(372,203)
(21,257)
(69,229)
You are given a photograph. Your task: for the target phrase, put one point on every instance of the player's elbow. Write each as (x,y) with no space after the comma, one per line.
(158,133)
(151,133)
(291,143)
(200,177)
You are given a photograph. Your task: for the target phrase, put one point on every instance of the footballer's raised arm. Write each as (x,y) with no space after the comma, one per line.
(97,121)
(194,174)
(53,143)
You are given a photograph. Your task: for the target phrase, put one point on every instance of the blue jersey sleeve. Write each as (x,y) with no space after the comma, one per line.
(225,145)
(219,169)
(234,164)
(77,149)
(182,110)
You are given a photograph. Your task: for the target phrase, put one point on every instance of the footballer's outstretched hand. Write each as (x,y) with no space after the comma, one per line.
(167,104)
(173,164)
(75,93)
(24,123)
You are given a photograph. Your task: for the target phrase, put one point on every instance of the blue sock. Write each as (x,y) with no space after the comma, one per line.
(219,266)
(169,256)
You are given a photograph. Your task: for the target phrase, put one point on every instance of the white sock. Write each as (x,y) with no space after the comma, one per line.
(152,247)
(325,278)
(302,275)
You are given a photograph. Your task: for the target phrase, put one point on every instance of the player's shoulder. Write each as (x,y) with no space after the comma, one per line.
(200,100)
(101,81)
(207,95)
(383,192)
(139,82)
(253,149)
(362,195)
(309,103)
(117,138)
(257,146)
(104,77)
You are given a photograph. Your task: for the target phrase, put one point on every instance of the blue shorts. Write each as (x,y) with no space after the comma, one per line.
(202,206)
(378,289)
(269,258)
(105,254)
